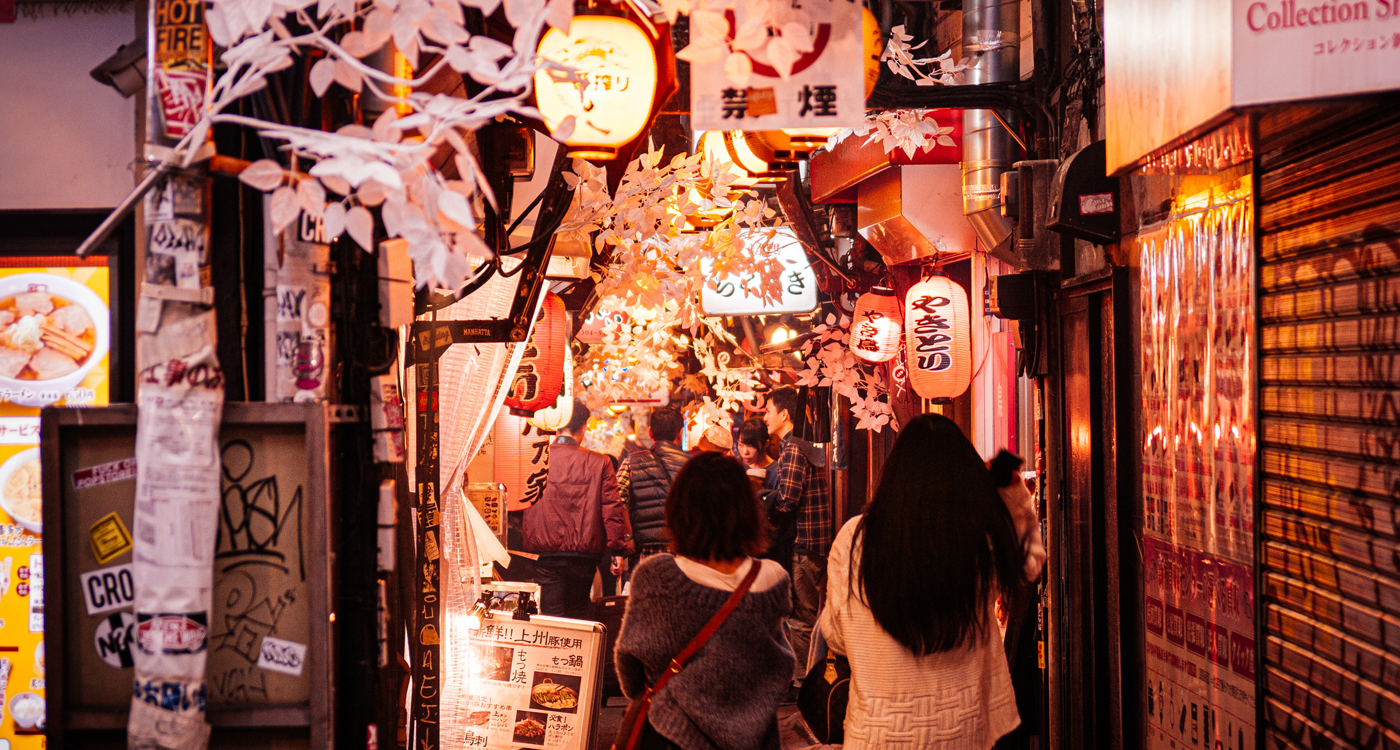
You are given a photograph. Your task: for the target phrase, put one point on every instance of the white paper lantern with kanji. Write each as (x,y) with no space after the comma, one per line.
(876,325)
(522,460)
(938,338)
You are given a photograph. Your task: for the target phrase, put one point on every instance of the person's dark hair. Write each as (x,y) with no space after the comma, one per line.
(936,540)
(786,399)
(754,433)
(578,420)
(666,423)
(711,512)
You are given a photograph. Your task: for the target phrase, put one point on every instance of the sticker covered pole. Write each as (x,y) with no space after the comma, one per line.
(180,402)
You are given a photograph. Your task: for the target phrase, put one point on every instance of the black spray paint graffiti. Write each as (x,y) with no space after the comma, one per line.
(255,526)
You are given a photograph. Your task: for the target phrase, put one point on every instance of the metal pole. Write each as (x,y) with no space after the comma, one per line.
(104,230)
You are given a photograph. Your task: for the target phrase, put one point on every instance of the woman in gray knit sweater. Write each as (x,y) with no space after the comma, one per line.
(726,697)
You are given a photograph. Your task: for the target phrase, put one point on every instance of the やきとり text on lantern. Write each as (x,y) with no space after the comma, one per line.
(876,326)
(616,59)
(938,338)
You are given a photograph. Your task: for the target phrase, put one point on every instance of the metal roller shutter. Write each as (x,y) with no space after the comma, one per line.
(1329,295)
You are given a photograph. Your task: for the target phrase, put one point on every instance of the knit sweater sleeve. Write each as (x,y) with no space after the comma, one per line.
(838,567)
(631,671)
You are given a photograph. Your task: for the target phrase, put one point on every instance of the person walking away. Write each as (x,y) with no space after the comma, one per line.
(645,477)
(802,491)
(578,518)
(726,696)
(912,593)
(752,448)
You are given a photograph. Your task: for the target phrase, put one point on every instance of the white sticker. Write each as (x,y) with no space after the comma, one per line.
(113,639)
(277,655)
(106,589)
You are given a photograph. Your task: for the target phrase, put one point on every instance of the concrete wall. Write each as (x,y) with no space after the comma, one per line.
(66,141)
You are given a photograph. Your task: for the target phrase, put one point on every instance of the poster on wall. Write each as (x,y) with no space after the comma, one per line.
(1198,482)
(54,351)
(533,683)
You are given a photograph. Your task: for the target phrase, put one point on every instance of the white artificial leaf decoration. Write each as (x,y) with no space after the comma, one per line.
(565,131)
(377,29)
(704,52)
(321,76)
(370,194)
(347,76)
(708,25)
(311,198)
(360,224)
(284,207)
(263,174)
(334,220)
(797,35)
(454,206)
(738,68)
(782,55)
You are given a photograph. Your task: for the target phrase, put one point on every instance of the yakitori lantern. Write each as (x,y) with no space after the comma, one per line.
(557,416)
(522,460)
(876,326)
(616,58)
(938,338)
(540,378)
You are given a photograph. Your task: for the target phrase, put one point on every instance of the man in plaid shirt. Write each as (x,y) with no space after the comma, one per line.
(802,489)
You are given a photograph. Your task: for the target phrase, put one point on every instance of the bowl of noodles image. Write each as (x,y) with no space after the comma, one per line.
(53,332)
(20,493)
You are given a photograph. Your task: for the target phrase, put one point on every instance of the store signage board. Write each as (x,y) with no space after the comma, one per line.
(533,683)
(737,295)
(824,89)
(1287,50)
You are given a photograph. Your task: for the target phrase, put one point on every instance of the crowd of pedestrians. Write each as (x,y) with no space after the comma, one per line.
(738,566)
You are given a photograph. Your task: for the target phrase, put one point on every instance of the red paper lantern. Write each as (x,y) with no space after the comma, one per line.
(522,460)
(540,378)
(876,325)
(938,338)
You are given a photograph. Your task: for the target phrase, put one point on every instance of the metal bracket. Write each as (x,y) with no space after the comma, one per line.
(201,296)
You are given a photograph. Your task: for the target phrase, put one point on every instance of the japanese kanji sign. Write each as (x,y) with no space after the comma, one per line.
(826,86)
(738,295)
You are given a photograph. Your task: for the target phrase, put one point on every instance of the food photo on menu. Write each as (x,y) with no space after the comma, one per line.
(529,727)
(493,662)
(54,331)
(555,692)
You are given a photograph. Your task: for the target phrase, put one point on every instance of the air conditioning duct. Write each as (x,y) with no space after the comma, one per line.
(992,38)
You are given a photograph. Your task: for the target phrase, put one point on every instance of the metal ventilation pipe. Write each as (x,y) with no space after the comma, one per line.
(992,39)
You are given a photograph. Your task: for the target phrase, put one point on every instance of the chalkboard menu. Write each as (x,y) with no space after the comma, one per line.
(533,683)
(268,670)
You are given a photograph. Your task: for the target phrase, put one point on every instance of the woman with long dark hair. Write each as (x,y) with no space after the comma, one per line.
(912,586)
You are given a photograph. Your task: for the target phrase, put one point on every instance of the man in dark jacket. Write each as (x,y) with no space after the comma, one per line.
(645,476)
(579,517)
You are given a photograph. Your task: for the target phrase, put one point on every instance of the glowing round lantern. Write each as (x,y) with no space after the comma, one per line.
(938,338)
(616,57)
(555,417)
(540,378)
(522,460)
(876,326)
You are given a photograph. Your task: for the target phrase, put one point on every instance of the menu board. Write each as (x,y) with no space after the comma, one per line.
(54,340)
(533,683)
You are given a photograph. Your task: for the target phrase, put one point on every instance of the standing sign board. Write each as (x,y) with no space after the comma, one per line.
(533,683)
(825,88)
(65,301)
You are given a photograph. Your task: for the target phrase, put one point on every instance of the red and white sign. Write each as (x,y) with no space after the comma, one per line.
(107,473)
(181,99)
(172,633)
(825,88)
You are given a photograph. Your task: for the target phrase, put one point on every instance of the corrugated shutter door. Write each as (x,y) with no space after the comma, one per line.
(1329,290)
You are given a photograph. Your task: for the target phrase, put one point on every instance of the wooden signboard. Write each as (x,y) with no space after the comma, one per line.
(270,638)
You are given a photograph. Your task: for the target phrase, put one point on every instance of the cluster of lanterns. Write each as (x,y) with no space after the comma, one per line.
(933,327)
